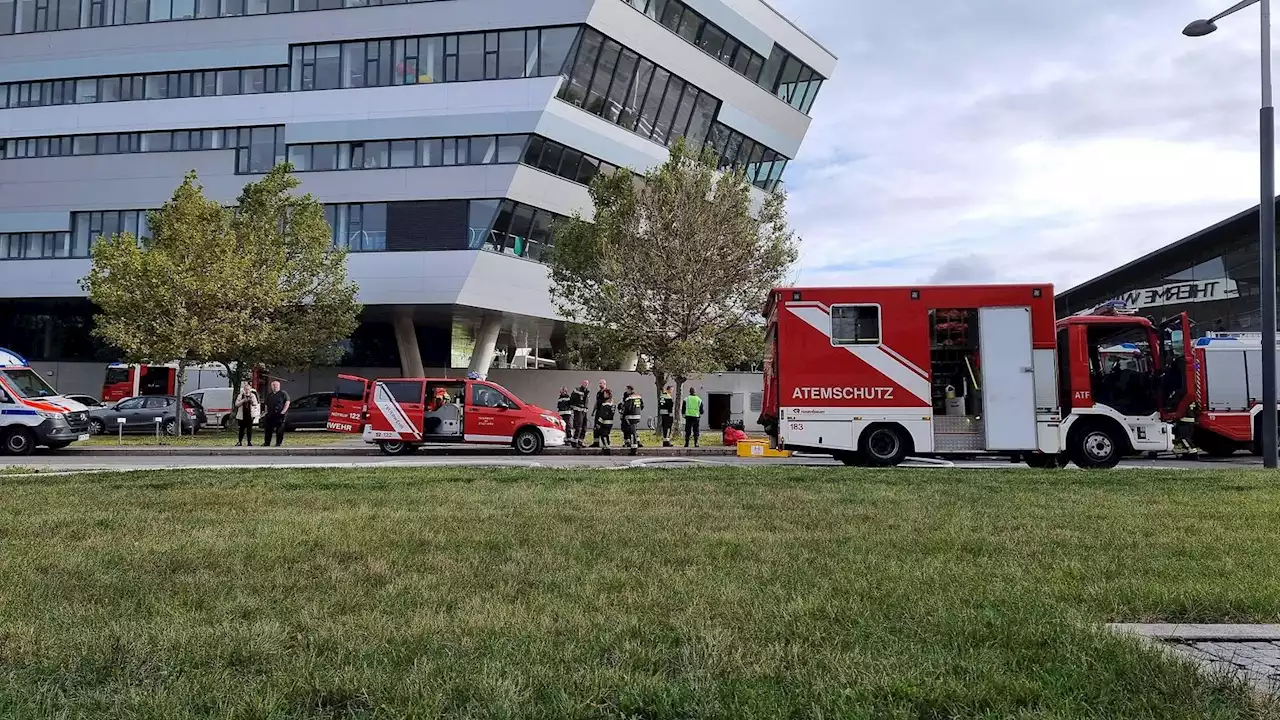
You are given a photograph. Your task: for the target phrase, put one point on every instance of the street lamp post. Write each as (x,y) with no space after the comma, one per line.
(1266,224)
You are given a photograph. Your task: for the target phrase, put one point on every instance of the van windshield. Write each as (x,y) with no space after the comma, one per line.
(27,383)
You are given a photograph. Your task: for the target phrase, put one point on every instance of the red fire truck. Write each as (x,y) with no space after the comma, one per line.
(872,375)
(401,414)
(125,381)
(1226,385)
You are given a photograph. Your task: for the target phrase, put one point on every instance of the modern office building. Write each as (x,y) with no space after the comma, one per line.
(1212,275)
(443,136)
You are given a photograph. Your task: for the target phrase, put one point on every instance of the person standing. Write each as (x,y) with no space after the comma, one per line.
(632,407)
(565,410)
(605,412)
(247,409)
(692,416)
(277,402)
(666,415)
(578,405)
(604,388)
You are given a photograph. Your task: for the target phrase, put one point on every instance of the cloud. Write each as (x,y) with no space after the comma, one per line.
(1003,140)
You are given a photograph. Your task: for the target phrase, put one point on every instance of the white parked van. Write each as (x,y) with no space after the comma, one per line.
(218,404)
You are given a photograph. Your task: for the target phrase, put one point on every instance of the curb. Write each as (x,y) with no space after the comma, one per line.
(142,451)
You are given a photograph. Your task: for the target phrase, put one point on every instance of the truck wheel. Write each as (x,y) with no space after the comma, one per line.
(1257,435)
(97,427)
(527,442)
(883,446)
(396,447)
(1094,447)
(852,459)
(225,422)
(18,441)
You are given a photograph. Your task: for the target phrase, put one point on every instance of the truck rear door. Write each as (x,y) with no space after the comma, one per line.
(347,412)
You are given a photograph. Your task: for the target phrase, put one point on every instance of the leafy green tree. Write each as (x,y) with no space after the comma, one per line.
(676,266)
(303,302)
(182,293)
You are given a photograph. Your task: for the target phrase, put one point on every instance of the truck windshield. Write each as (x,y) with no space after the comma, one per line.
(27,384)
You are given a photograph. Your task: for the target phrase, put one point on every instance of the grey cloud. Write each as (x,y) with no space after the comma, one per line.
(965,269)
(911,145)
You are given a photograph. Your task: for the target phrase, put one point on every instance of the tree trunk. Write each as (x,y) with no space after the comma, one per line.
(181,412)
(679,408)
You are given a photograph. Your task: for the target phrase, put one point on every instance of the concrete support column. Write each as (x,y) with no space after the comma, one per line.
(486,344)
(407,344)
(629,363)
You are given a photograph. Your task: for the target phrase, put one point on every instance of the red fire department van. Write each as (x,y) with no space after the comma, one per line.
(402,414)
(872,375)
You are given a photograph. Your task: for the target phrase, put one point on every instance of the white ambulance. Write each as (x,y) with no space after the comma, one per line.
(32,413)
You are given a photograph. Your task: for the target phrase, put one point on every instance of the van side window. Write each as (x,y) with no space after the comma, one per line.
(855,325)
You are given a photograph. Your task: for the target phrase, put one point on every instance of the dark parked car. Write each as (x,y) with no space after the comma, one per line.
(140,413)
(309,412)
(86,400)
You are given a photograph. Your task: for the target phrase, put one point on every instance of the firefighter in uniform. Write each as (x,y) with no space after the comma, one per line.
(604,387)
(564,406)
(578,400)
(605,413)
(632,407)
(666,415)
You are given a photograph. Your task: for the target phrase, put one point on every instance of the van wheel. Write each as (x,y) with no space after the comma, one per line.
(18,441)
(852,459)
(883,446)
(396,447)
(225,422)
(1094,447)
(527,442)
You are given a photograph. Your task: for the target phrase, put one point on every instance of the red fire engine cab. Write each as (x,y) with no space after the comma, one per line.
(402,414)
(872,375)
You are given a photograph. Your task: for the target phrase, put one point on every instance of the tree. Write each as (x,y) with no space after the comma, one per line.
(303,302)
(591,348)
(182,293)
(675,266)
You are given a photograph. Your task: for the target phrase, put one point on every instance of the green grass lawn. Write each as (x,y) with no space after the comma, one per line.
(716,593)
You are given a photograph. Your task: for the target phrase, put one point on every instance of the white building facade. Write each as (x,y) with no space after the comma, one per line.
(444,137)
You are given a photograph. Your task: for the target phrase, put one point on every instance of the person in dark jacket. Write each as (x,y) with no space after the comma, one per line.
(605,414)
(564,407)
(632,407)
(578,404)
(604,388)
(666,415)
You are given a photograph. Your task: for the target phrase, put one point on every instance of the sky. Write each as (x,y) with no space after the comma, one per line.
(1014,140)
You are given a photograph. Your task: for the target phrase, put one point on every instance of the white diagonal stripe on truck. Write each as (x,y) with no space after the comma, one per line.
(873,355)
(392,411)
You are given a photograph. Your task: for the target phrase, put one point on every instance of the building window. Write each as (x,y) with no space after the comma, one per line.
(256,148)
(156,86)
(609,80)
(28,246)
(855,325)
(520,230)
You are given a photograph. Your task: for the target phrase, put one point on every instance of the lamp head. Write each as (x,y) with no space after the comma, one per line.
(1199,28)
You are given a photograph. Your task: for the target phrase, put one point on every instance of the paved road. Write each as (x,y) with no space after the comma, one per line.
(69,463)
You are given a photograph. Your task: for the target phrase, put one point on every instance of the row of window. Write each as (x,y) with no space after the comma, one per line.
(35,245)
(23,16)
(611,81)
(258,149)
(374,63)
(782,74)
(763,167)
(431,59)
(113,143)
(425,152)
(200,83)
(531,150)
(693,27)
(501,226)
